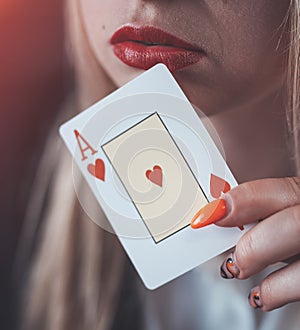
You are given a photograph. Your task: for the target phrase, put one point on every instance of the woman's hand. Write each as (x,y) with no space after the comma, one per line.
(275,203)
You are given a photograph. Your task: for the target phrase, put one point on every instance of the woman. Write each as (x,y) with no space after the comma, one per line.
(238,62)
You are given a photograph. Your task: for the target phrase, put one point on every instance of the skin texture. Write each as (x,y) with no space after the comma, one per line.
(239,86)
(276,203)
(239,37)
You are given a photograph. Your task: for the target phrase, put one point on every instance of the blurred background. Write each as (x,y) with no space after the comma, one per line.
(33,83)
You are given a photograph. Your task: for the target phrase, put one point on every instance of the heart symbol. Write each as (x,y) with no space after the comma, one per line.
(218,186)
(97,170)
(155,175)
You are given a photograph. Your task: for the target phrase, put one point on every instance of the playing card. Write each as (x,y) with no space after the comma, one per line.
(152,165)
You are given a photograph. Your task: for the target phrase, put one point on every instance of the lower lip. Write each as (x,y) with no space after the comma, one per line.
(143,56)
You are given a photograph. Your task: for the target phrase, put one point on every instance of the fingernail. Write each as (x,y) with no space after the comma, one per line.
(254,298)
(229,268)
(209,214)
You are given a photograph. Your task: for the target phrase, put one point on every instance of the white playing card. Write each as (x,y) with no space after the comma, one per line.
(149,160)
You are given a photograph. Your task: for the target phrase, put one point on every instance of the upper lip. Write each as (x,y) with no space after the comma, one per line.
(151,36)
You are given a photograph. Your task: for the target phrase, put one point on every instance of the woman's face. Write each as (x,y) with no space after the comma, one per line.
(224,53)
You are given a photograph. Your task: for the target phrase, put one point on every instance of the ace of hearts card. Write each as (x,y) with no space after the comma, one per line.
(151,165)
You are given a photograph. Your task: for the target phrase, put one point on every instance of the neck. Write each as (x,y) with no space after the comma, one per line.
(255,139)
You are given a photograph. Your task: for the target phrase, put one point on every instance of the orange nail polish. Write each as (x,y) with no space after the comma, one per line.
(209,214)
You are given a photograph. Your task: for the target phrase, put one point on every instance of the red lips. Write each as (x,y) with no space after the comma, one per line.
(143,47)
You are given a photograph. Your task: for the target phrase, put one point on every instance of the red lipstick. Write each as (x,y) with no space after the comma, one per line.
(144,46)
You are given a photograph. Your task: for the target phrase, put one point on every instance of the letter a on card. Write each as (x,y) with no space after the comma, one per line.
(83,142)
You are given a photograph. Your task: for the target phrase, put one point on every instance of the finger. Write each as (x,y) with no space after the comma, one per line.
(277,289)
(256,200)
(273,240)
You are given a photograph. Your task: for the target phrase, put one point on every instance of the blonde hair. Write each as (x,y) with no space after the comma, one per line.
(293,79)
(77,269)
